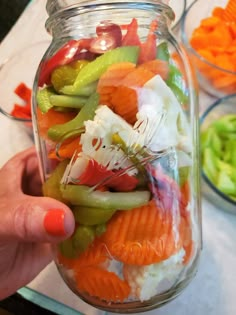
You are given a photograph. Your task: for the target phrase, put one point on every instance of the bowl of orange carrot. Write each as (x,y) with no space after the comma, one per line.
(209,32)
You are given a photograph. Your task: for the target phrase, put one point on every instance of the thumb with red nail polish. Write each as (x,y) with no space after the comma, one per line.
(30,223)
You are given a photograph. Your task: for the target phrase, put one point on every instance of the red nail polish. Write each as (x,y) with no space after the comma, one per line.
(54,222)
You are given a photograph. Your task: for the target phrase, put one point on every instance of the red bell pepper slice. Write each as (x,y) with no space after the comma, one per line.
(148,49)
(63,56)
(23,91)
(131,38)
(96,173)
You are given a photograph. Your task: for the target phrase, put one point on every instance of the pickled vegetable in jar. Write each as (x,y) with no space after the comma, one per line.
(115,117)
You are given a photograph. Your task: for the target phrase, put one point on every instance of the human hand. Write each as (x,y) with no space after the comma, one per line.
(29,223)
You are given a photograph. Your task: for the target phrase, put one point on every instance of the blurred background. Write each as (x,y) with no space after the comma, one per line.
(9,13)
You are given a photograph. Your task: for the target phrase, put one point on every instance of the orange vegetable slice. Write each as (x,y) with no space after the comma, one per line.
(157,66)
(124,102)
(102,284)
(113,76)
(142,236)
(66,149)
(96,255)
(229,14)
(138,77)
(52,117)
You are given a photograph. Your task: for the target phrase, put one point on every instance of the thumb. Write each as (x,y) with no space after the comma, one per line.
(37,219)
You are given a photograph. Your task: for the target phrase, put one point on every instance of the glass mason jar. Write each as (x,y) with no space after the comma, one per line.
(115,118)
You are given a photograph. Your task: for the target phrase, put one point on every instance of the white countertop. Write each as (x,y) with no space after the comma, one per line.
(212,291)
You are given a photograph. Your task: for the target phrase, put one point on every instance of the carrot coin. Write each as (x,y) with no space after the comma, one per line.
(102,284)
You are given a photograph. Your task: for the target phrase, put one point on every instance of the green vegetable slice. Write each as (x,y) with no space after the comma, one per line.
(67,101)
(92,216)
(87,112)
(51,187)
(81,195)
(92,71)
(43,99)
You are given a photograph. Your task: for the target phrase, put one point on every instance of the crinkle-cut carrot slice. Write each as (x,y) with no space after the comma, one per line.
(220,36)
(52,117)
(157,66)
(229,14)
(218,12)
(210,23)
(113,76)
(198,41)
(137,78)
(96,255)
(143,236)
(207,54)
(232,28)
(65,261)
(102,284)
(225,83)
(223,61)
(66,149)
(125,103)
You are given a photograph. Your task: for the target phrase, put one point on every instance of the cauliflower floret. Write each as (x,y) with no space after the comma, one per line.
(147,281)
(158,103)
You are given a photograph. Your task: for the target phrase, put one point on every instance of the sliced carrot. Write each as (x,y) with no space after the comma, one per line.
(125,103)
(143,236)
(138,77)
(52,117)
(65,261)
(96,255)
(218,12)
(102,284)
(210,23)
(157,66)
(66,149)
(229,14)
(113,76)
(215,40)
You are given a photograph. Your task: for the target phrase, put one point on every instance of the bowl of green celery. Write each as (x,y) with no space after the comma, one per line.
(218,153)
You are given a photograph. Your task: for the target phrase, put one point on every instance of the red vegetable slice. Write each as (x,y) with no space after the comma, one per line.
(131,37)
(63,56)
(95,173)
(148,49)
(23,91)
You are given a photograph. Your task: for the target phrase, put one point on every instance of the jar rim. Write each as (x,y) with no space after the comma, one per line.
(86,6)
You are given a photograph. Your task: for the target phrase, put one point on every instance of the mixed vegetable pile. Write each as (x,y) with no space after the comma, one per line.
(218,144)
(215,40)
(110,113)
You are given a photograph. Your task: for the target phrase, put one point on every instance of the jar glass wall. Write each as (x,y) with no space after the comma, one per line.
(116,127)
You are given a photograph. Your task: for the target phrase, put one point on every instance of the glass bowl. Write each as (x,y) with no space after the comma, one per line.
(179,8)
(20,68)
(213,79)
(220,108)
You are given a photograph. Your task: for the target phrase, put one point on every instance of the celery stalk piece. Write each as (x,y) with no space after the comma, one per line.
(225,184)
(93,70)
(163,52)
(81,195)
(210,164)
(92,216)
(87,112)
(43,99)
(68,101)
(83,237)
(51,187)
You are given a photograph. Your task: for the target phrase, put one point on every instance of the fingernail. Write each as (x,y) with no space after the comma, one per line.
(54,222)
